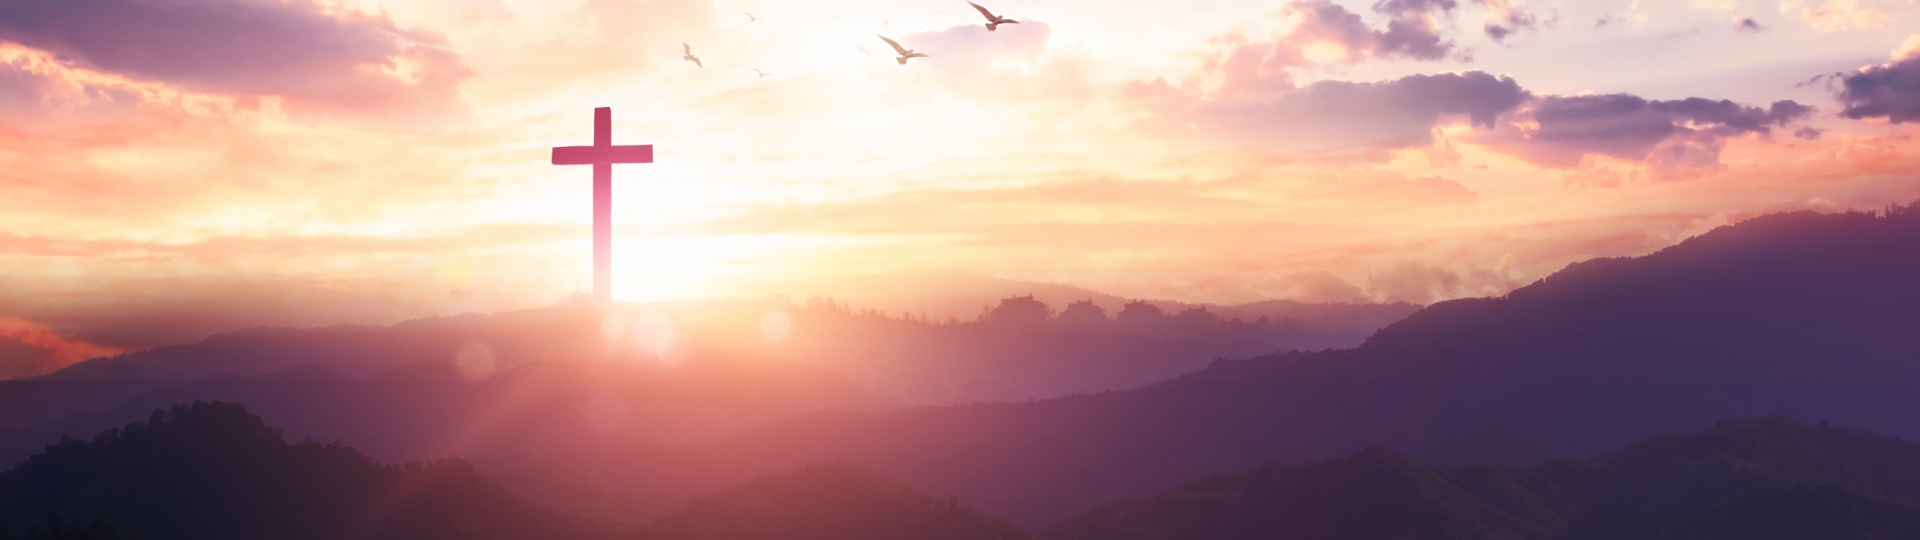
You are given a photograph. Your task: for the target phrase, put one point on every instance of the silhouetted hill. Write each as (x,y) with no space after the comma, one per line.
(1762,479)
(213,471)
(100,528)
(429,410)
(913,359)
(511,338)
(840,501)
(1784,297)
(1374,494)
(1022,348)
(1584,361)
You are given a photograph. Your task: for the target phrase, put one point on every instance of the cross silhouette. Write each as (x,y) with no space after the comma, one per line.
(602,155)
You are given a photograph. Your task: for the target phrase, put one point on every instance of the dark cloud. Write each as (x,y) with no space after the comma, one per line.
(1339,116)
(322,62)
(1679,138)
(1749,25)
(1890,91)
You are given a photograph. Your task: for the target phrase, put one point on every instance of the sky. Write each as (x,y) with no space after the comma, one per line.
(171,169)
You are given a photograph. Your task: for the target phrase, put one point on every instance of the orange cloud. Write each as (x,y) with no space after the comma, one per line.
(28,349)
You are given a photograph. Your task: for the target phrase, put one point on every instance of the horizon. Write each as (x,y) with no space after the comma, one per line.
(1315,151)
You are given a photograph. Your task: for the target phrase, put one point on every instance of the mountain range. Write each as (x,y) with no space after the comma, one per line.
(216,471)
(1769,478)
(1802,314)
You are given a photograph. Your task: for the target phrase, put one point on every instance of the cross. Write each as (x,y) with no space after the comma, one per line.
(602,155)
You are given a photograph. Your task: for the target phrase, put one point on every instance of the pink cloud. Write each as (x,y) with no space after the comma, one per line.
(325,63)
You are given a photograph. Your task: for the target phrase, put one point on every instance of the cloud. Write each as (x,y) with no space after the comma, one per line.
(1748,25)
(1678,138)
(971,47)
(1415,283)
(1338,117)
(1319,286)
(1322,32)
(1890,91)
(325,63)
(28,349)
(34,95)
(1501,20)
(1835,15)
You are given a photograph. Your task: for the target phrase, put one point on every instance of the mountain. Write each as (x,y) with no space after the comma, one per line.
(1751,479)
(1377,493)
(1802,314)
(912,359)
(840,501)
(948,295)
(1022,348)
(212,471)
(507,339)
(430,410)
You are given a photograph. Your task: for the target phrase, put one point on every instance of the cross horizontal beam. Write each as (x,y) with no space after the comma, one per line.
(595,155)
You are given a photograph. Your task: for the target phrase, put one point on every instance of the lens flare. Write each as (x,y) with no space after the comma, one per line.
(776,326)
(656,334)
(475,360)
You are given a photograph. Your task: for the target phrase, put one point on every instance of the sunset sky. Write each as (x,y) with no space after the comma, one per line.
(175,168)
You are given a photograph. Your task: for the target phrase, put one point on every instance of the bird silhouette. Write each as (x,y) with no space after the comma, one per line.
(905,53)
(762,73)
(689,56)
(750,17)
(993,21)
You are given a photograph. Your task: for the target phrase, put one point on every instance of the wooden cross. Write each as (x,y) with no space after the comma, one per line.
(602,155)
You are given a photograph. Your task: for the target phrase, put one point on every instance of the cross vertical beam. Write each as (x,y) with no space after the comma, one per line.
(602,155)
(603,207)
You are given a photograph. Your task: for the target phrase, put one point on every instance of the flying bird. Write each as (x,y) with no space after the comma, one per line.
(750,17)
(762,73)
(689,56)
(905,53)
(993,21)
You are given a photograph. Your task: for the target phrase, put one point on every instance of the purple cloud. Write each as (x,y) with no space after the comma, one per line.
(1679,138)
(32,98)
(1410,31)
(1342,117)
(322,63)
(1890,91)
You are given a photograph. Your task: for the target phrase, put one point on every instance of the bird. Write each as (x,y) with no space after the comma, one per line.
(762,73)
(993,21)
(905,53)
(750,17)
(863,50)
(690,57)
